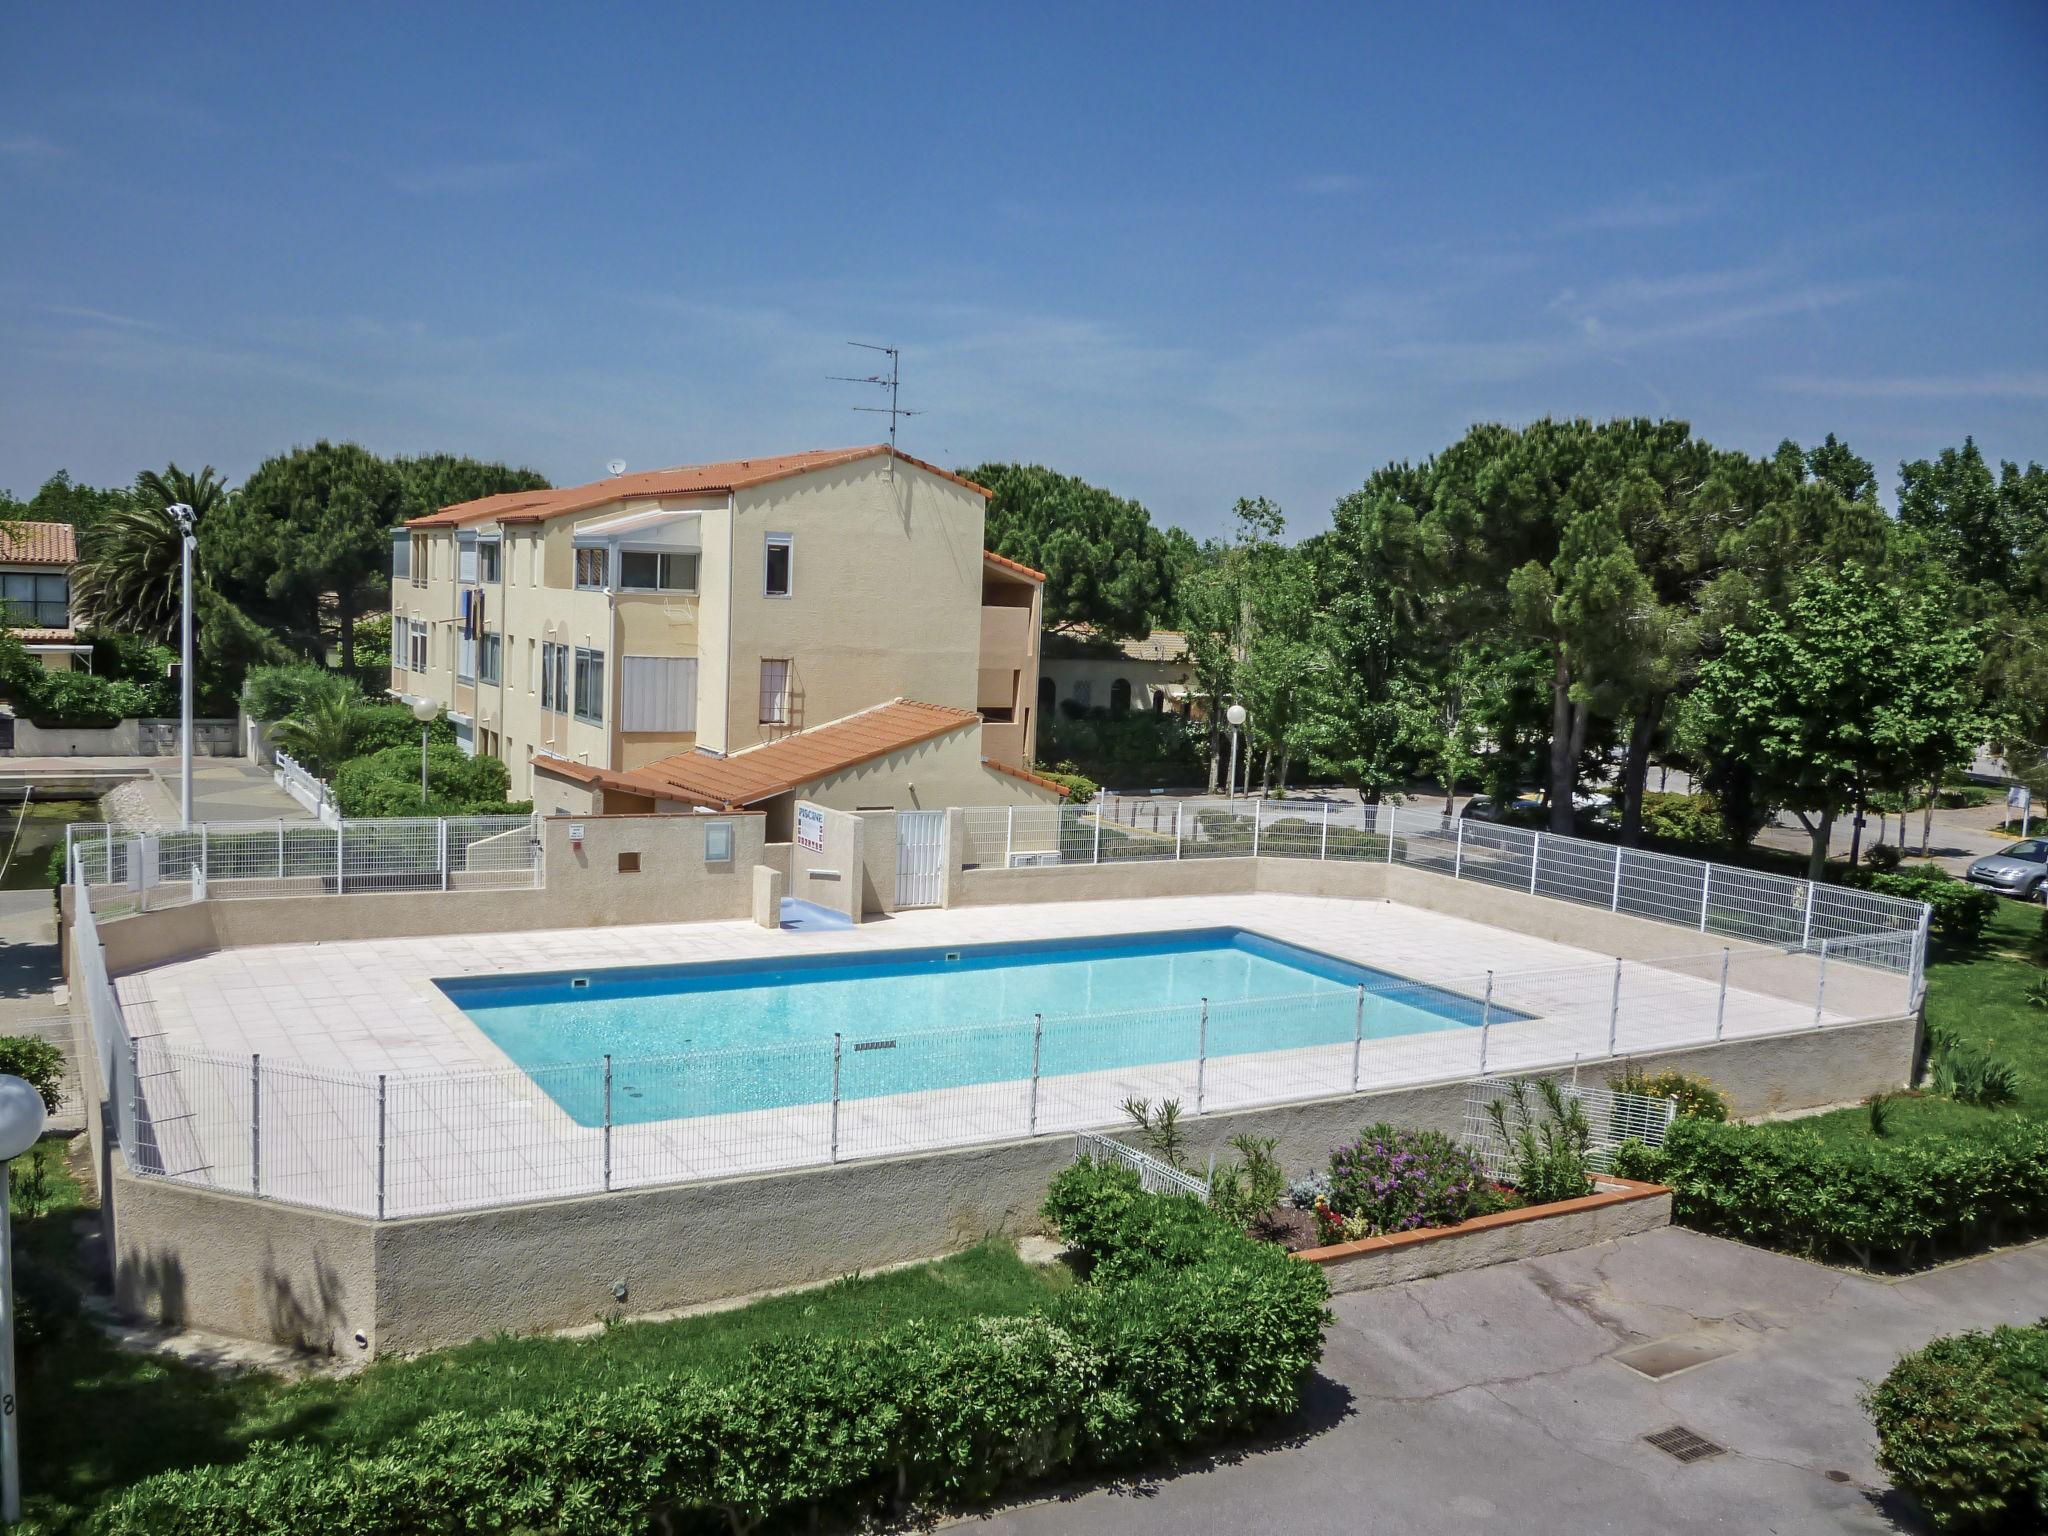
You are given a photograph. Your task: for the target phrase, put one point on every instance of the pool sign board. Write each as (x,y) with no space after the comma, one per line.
(810,828)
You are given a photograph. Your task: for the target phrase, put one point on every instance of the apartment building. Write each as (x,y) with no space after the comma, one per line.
(825,621)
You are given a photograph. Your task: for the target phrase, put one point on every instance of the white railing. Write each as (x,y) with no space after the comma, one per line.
(1715,899)
(1154,1177)
(224,861)
(405,1144)
(1612,1117)
(306,787)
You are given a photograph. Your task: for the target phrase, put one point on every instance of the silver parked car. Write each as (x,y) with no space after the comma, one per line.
(2017,871)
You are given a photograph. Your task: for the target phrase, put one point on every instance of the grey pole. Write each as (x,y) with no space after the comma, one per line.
(1485,1023)
(280,847)
(1458,858)
(380,1145)
(607,1121)
(10,1423)
(1357,1036)
(1037,1038)
(1614,1009)
(1325,852)
(1820,996)
(423,765)
(1614,902)
(835,1095)
(256,1124)
(1202,1058)
(1706,892)
(1535,853)
(1721,1006)
(182,516)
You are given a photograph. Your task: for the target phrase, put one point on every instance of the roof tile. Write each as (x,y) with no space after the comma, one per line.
(38,544)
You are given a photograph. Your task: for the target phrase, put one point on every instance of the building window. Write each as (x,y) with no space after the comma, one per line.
(465,658)
(554,678)
(717,842)
(658,693)
(629,863)
(416,646)
(401,558)
(774,691)
(39,602)
(530,678)
(465,559)
(489,656)
(646,570)
(418,563)
(778,570)
(488,558)
(1120,696)
(590,685)
(592,570)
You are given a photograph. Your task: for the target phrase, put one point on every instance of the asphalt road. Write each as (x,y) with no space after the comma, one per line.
(1497,1401)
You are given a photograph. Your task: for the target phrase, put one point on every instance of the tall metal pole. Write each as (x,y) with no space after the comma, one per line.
(10,1415)
(423,765)
(1230,789)
(607,1122)
(181,514)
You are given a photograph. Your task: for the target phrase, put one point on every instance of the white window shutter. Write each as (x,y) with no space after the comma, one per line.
(658,693)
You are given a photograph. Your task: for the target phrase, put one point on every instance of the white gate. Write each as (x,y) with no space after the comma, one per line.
(920,857)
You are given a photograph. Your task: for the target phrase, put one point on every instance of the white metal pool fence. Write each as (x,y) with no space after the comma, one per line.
(126,870)
(1612,1117)
(1715,899)
(392,1144)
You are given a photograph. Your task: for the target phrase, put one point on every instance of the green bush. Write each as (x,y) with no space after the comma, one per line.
(1696,1096)
(387,783)
(271,693)
(1871,1202)
(1550,1141)
(1396,1181)
(1683,818)
(1960,909)
(1154,1355)
(38,1063)
(1079,787)
(1962,1426)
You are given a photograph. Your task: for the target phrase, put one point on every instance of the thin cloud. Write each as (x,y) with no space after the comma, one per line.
(1651,210)
(29,148)
(100,317)
(476,176)
(1330,184)
(2021,385)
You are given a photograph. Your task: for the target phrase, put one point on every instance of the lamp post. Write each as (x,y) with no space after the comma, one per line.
(21,1122)
(181,514)
(1235,715)
(426,711)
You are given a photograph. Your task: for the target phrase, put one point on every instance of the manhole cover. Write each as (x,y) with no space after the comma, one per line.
(1682,1444)
(1667,1357)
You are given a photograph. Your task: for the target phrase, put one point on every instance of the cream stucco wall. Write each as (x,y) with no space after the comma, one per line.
(945,771)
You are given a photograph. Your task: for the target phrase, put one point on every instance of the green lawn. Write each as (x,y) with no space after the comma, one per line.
(1980,992)
(95,1418)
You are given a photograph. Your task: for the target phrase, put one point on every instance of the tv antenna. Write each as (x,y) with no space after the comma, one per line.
(886,381)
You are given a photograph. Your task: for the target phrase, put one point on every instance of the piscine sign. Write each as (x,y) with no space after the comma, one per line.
(810,828)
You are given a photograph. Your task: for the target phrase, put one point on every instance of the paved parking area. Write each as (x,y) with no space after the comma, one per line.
(1498,1401)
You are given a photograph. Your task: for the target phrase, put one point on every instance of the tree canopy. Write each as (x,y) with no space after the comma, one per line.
(1106,566)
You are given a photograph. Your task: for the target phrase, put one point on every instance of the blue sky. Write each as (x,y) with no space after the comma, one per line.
(1189,253)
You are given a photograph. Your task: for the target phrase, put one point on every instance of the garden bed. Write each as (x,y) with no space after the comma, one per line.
(1616,1208)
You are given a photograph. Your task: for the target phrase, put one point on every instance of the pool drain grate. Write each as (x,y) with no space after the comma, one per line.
(1682,1444)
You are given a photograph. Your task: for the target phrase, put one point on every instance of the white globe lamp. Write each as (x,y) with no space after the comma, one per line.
(21,1123)
(426,711)
(1235,715)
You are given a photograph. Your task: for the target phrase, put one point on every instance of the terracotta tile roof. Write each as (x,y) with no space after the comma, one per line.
(45,636)
(1026,775)
(776,767)
(38,544)
(1015,568)
(688,480)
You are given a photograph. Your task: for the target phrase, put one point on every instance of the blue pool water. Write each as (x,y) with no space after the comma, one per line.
(759,1033)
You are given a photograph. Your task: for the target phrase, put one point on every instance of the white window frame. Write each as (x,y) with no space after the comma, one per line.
(420,561)
(602,554)
(778,701)
(660,556)
(787,542)
(490,560)
(490,657)
(554,677)
(585,707)
(416,646)
(717,842)
(465,658)
(465,559)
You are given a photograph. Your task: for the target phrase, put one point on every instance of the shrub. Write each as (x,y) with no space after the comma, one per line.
(1633,1159)
(1885,856)
(1960,909)
(1396,1181)
(38,1063)
(1079,787)
(1552,1149)
(1683,818)
(1962,1426)
(1151,1357)
(387,783)
(273,693)
(1969,1075)
(1696,1096)
(1872,1202)
(1246,1189)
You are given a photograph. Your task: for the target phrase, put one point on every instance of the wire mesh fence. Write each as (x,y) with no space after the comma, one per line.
(1612,1117)
(124,871)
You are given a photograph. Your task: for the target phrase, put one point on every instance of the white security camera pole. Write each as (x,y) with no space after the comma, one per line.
(182,516)
(21,1123)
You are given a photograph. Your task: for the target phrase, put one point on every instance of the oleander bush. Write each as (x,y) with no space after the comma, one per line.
(1962,1426)
(1873,1202)
(1185,1331)
(1397,1181)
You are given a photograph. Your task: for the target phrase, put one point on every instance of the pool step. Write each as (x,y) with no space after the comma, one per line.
(802,916)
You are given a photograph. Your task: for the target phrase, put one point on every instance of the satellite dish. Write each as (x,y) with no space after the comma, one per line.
(616,467)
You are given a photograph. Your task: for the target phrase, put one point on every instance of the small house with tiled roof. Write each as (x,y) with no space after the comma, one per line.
(35,587)
(732,635)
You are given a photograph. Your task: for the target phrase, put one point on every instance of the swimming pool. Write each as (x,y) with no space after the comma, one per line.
(734,1035)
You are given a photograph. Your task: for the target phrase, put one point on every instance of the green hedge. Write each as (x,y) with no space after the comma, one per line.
(1960,909)
(1186,1332)
(1868,1201)
(1962,1426)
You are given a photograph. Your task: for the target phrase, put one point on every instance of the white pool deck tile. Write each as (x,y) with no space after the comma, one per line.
(326,1018)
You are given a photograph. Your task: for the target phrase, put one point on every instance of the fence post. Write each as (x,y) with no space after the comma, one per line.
(607,1122)
(280,847)
(1202,1059)
(1037,1038)
(444,853)
(340,858)
(1535,853)
(380,1145)
(1096,856)
(199,883)
(1917,993)
(835,1095)
(1820,995)
(1485,1023)
(1458,858)
(1010,835)
(256,1124)
(1706,892)
(1721,1004)
(1325,851)
(1390,830)
(135,1105)
(1614,1009)
(1357,1036)
(1806,929)
(1614,902)
(1257,807)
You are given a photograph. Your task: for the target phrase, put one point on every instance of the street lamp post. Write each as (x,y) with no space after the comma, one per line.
(426,711)
(181,514)
(21,1123)
(1235,715)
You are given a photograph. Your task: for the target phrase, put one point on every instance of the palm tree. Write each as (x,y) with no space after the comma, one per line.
(322,734)
(128,578)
